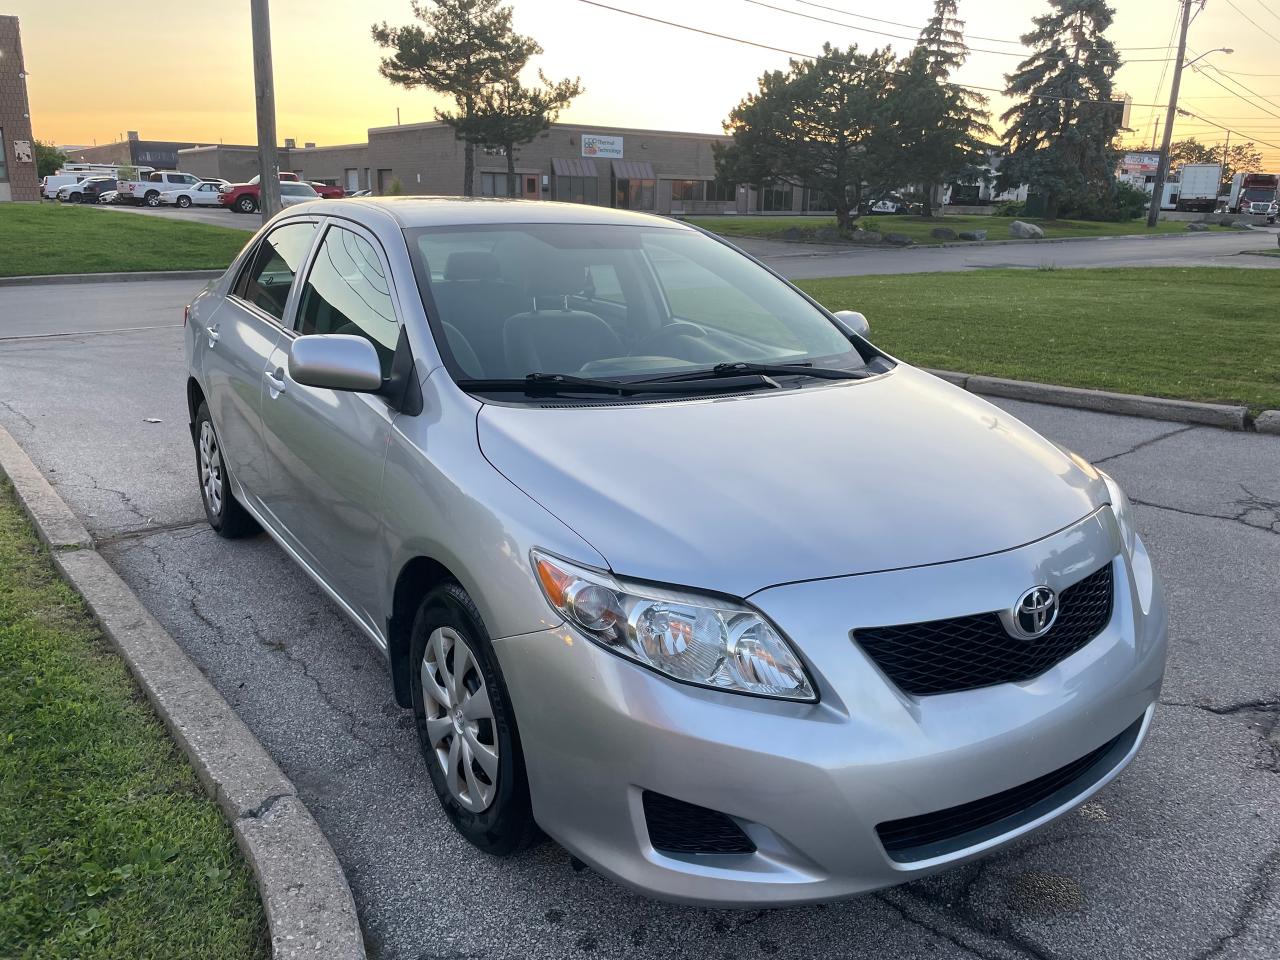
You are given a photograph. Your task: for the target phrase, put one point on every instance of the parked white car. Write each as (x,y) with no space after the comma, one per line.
(198,195)
(148,189)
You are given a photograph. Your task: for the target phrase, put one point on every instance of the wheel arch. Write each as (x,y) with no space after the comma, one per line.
(195,397)
(417,577)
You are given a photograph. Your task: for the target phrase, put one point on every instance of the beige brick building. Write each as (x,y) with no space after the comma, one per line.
(18,179)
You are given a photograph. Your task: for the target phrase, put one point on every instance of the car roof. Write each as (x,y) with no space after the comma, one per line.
(410,212)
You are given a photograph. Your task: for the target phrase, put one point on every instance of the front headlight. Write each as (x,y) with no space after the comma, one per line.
(700,640)
(1123,511)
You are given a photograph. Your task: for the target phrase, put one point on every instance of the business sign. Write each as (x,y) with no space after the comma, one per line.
(1140,162)
(22,151)
(608,148)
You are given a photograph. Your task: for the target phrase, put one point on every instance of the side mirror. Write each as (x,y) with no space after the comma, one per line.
(854,322)
(336,361)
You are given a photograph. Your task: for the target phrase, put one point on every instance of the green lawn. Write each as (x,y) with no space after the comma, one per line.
(1199,333)
(108,846)
(917,228)
(57,238)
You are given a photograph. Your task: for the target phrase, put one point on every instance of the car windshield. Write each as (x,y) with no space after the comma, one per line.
(608,301)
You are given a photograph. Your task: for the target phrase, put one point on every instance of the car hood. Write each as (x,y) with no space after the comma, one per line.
(735,494)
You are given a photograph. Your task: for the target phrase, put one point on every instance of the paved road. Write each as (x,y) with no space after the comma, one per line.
(801,261)
(1179,858)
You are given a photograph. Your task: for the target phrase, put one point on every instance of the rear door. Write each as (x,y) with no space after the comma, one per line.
(326,448)
(237,346)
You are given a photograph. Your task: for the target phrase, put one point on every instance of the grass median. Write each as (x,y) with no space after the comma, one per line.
(1195,333)
(919,228)
(109,848)
(48,238)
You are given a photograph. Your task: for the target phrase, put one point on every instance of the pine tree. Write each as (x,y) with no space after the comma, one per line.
(1059,137)
(462,47)
(942,126)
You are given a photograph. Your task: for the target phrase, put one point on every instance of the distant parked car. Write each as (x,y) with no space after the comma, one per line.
(360,193)
(50,185)
(243,197)
(148,189)
(327,190)
(109,196)
(203,194)
(88,190)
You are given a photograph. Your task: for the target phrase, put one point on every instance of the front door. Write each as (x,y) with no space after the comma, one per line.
(237,344)
(531,191)
(326,448)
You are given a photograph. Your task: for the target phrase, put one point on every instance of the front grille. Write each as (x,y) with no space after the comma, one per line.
(679,827)
(962,653)
(955,828)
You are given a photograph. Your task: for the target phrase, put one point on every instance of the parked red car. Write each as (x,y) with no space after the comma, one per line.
(244,197)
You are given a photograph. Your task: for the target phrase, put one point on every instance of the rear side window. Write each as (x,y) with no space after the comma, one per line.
(268,276)
(347,292)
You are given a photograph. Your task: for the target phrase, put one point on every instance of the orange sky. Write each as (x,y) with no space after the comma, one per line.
(92,76)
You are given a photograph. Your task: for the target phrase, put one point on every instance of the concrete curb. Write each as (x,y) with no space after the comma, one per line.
(310,912)
(1268,422)
(128,277)
(1226,416)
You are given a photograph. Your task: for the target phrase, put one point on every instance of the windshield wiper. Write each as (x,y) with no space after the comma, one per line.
(766,370)
(536,383)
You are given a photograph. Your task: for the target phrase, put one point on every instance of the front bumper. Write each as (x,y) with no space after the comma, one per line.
(809,783)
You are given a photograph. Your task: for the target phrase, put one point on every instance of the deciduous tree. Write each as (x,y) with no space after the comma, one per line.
(49,159)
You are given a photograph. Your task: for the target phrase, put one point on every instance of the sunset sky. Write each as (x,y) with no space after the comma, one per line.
(97,70)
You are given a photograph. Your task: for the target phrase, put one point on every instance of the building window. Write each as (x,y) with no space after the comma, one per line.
(775,197)
(495,185)
(688,191)
(634,194)
(4,163)
(721,192)
(819,200)
(578,189)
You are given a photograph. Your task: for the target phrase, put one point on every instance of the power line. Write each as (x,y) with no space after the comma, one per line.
(1240,97)
(1253,21)
(1231,130)
(895,36)
(819,57)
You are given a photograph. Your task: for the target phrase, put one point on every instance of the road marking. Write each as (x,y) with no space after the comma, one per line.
(87,333)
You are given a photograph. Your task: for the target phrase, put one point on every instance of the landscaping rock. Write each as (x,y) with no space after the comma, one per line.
(866,236)
(1025,231)
(942,233)
(1198,227)
(898,239)
(828,235)
(973,234)
(791,233)
(1241,226)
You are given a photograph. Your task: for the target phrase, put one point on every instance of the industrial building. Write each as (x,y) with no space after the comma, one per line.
(18,177)
(133,151)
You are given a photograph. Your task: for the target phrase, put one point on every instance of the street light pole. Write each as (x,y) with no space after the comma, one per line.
(265,96)
(1162,168)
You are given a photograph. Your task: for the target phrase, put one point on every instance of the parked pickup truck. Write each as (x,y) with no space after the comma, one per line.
(148,189)
(243,197)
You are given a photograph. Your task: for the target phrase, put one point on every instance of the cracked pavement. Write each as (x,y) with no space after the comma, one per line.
(1178,858)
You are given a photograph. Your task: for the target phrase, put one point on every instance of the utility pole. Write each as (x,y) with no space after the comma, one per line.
(265,95)
(1162,169)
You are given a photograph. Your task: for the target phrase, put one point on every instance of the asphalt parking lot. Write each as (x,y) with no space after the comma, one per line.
(1179,858)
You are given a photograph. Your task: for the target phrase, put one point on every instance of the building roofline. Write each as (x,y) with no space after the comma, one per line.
(587,127)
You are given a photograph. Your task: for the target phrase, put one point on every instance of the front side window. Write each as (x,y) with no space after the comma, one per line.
(268,276)
(610,301)
(347,292)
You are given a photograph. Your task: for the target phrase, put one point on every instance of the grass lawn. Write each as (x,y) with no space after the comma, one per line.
(1194,333)
(917,228)
(59,238)
(109,848)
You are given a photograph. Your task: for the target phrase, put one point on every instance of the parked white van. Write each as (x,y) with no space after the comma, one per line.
(50,185)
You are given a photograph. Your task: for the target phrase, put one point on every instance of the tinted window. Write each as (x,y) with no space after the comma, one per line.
(347,292)
(296,190)
(269,274)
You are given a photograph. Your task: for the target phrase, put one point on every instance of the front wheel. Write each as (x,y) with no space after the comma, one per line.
(221,508)
(246,205)
(466,726)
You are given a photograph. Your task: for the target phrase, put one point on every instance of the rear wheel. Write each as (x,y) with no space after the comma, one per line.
(246,204)
(221,508)
(152,199)
(466,726)
(184,201)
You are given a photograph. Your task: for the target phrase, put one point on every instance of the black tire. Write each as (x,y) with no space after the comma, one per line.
(76,197)
(246,204)
(183,201)
(228,518)
(506,826)
(152,199)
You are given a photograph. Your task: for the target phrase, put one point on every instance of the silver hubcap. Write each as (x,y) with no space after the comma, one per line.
(210,469)
(460,722)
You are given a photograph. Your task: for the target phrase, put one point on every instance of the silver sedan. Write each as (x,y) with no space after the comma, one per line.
(667,560)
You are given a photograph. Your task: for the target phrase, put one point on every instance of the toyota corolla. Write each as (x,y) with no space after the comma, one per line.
(668,561)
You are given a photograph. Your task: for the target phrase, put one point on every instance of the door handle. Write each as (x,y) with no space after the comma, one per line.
(275,381)
(212,333)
